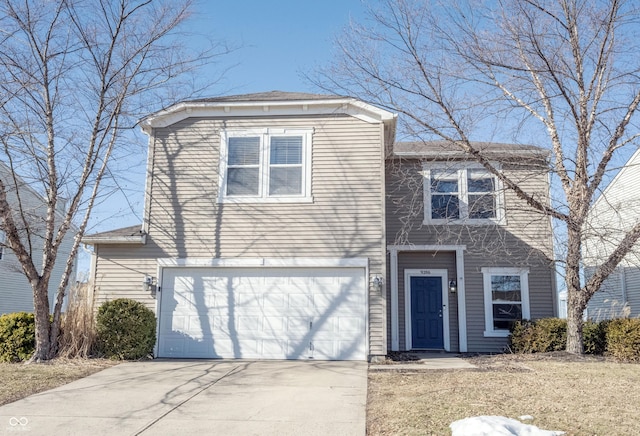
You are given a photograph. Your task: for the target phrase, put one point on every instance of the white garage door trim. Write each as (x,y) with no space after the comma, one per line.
(254,265)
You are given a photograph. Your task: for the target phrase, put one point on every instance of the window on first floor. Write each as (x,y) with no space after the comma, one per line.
(455,194)
(506,299)
(265,165)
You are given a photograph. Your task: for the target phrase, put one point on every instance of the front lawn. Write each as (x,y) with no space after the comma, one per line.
(581,396)
(20,380)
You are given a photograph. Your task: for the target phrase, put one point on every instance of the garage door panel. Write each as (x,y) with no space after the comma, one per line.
(274,324)
(299,300)
(268,313)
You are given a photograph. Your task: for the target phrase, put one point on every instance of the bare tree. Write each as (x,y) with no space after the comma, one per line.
(564,73)
(75,75)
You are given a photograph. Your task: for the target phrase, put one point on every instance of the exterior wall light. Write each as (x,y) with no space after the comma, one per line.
(453,286)
(148,284)
(377,283)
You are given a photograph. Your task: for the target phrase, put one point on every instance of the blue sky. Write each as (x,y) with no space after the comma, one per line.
(279,39)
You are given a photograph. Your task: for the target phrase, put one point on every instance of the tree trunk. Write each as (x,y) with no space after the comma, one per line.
(43,326)
(575,311)
(576,302)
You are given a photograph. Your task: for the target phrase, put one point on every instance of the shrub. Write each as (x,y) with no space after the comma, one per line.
(521,338)
(594,337)
(541,336)
(551,335)
(17,336)
(623,339)
(125,329)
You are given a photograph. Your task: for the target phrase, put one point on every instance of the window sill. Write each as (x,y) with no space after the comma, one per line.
(271,200)
(496,333)
(465,222)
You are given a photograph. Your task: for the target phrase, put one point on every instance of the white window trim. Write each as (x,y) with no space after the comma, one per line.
(488,300)
(263,196)
(461,169)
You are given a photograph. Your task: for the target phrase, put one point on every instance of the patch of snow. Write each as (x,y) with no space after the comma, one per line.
(525,418)
(497,426)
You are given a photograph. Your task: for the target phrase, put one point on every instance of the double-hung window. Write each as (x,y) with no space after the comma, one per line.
(265,165)
(457,194)
(506,299)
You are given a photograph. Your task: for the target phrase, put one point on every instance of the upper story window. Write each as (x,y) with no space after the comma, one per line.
(506,299)
(461,194)
(272,165)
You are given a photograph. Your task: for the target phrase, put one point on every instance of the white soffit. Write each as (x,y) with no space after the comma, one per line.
(348,106)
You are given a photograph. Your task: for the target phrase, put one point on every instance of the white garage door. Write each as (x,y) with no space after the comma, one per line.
(263,313)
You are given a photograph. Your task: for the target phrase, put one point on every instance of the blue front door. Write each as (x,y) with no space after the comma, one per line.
(426,313)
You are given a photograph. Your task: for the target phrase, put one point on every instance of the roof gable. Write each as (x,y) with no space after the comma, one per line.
(618,188)
(274,103)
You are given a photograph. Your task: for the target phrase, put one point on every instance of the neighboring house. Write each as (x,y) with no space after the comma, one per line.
(615,211)
(467,257)
(16,294)
(267,229)
(562,304)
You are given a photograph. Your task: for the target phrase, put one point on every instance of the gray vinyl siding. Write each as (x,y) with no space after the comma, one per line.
(613,214)
(632,277)
(524,241)
(541,297)
(525,232)
(16,293)
(184,220)
(619,295)
(427,260)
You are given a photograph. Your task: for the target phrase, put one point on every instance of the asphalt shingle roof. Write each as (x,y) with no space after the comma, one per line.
(449,149)
(267,96)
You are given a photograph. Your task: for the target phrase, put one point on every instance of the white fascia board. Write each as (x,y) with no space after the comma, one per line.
(349,106)
(301,262)
(131,240)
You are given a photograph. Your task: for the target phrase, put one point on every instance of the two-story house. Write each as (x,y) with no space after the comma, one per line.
(16,293)
(271,228)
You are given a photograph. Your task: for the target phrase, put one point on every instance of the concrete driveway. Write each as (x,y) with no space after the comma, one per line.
(208,397)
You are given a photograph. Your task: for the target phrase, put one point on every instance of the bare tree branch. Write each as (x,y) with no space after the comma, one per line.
(567,69)
(77,77)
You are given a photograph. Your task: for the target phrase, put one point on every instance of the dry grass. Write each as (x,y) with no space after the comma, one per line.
(580,396)
(20,380)
(78,327)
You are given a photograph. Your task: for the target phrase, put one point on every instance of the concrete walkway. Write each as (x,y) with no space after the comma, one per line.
(424,362)
(180,397)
